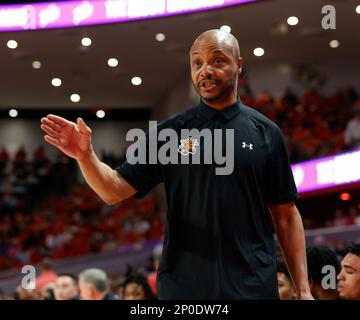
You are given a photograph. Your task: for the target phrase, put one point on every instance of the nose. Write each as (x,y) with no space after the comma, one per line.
(206,71)
(340,275)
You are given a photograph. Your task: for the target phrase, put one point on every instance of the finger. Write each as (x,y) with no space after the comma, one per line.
(50,131)
(51,124)
(53,141)
(59,120)
(82,126)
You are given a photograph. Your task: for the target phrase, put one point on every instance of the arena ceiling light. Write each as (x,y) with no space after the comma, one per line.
(225,28)
(136,81)
(112,62)
(12,44)
(358,9)
(62,14)
(56,82)
(100,114)
(259,52)
(86,42)
(13,113)
(75,97)
(160,37)
(334,44)
(292,21)
(36,64)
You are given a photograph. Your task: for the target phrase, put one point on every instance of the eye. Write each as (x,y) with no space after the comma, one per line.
(197,63)
(218,61)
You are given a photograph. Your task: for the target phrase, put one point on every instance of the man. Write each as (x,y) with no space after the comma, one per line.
(285,286)
(349,277)
(66,287)
(219,241)
(47,275)
(317,258)
(93,284)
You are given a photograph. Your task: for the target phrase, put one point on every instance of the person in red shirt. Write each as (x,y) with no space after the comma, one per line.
(47,274)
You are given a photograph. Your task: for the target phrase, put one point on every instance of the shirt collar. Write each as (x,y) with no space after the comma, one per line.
(229,112)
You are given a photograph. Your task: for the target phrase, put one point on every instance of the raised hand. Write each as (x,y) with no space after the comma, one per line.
(74,139)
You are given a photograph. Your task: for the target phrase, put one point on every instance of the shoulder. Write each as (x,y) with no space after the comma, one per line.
(259,119)
(179,119)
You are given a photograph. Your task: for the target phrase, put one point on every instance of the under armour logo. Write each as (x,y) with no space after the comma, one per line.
(245,145)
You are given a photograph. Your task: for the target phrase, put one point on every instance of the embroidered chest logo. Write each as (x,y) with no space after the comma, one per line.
(250,145)
(188,146)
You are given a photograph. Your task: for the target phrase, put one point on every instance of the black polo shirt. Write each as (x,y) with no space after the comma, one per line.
(219,242)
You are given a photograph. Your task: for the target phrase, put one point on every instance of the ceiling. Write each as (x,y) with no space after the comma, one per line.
(161,65)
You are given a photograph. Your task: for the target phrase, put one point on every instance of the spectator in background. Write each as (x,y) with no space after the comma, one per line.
(24,294)
(94,285)
(285,286)
(48,291)
(318,257)
(136,287)
(352,131)
(151,278)
(354,216)
(340,219)
(349,277)
(67,287)
(47,275)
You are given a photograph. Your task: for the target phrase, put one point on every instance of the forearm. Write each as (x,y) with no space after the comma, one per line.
(290,233)
(105,181)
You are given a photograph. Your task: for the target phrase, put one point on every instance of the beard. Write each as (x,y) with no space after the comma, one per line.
(225,88)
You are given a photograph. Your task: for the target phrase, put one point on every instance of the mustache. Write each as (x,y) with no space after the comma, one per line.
(200,83)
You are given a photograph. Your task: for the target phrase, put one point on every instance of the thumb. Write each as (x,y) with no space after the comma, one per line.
(82,126)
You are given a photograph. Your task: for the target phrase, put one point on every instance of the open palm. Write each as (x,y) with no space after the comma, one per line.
(72,138)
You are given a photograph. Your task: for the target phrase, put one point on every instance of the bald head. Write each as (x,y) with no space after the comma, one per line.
(216,64)
(219,37)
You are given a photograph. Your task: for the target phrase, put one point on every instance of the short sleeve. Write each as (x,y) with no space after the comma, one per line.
(280,187)
(141,176)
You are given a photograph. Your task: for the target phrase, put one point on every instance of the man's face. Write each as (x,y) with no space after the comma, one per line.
(85,290)
(214,70)
(134,291)
(66,288)
(349,277)
(285,288)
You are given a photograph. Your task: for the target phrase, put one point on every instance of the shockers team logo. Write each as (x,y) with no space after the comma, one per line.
(188,146)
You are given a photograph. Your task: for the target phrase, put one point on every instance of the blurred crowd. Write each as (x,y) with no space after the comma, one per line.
(346,216)
(46,212)
(314,126)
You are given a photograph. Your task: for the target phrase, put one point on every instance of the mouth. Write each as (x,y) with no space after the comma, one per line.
(208,85)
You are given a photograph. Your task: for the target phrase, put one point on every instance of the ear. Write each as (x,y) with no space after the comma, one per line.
(239,63)
(92,291)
